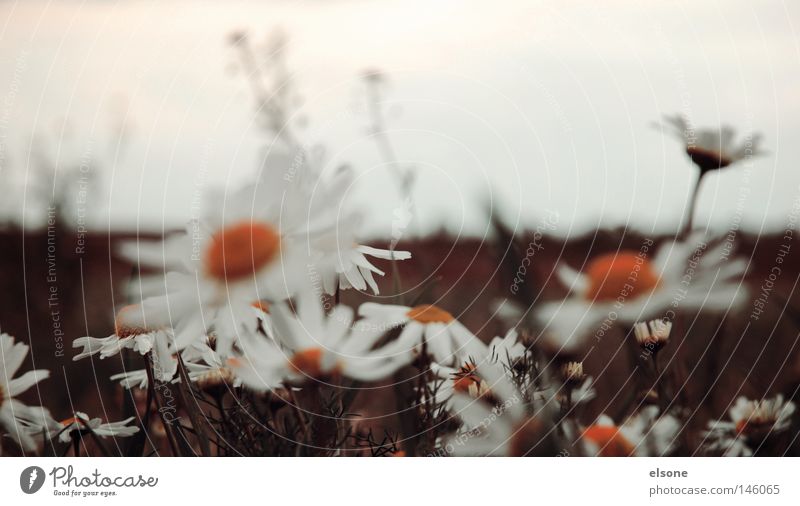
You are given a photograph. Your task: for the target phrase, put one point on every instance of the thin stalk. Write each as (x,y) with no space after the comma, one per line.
(190,403)
(151,383)
(692,207)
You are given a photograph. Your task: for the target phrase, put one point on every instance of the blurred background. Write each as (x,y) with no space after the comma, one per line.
(118,118)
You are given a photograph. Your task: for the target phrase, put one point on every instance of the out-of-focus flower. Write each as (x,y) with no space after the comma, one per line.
(313,345)
(653,335)
(264,242)
(463,379)
(643,434)
(131,332)
(19,421)
(627,287)
(502,429)
(712,149)
(751,422)
(81,422)
(507,349)
(447,340)
(572,372)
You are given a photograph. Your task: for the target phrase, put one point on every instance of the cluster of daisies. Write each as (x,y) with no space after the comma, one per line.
(246,301)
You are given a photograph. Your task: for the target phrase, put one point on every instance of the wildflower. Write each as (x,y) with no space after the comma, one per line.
(643,434)
(507,348)
(653,335)
(263,245)
(712,149)
(504,429)
(19,421)
(751,423)
(447,340)
(463,379)
(131,332)
(80,423)
(626,287)
(572,372)
(313,345)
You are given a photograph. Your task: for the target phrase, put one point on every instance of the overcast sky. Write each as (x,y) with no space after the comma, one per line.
(542,106)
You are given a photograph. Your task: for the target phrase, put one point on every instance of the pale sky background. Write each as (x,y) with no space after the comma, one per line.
(548,105)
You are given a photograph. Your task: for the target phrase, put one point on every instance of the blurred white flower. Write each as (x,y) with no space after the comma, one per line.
(643,434)
(507,349)
(313,345)
(750,423)
(264,242)
(131,332)
(500,428)
(19,421)
(712,149)
(447,340)
(81,422)
(652,335)
(626,287)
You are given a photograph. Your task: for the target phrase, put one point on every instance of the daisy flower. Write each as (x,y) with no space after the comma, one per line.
(627,286)
(19,421)
(652,335)
(342,263)
(643,434)
(503,428)
(751,422)
(447,340)
(464,379)
(712,149)
(81,423)
(260,243)
(313,345)
(507,348)
(131,332)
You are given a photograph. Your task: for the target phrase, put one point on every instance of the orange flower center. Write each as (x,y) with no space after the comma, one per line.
(70,421)
(307,362)
(129,322)
(428,313)
(609,441)
(465,378)
(620,275)
(707,159)
(262,305)
(753,426)
(240,250)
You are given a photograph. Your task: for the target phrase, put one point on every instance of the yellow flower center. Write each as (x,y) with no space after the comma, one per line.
(240,250)
(610,442)
(428,313)
(620,275)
